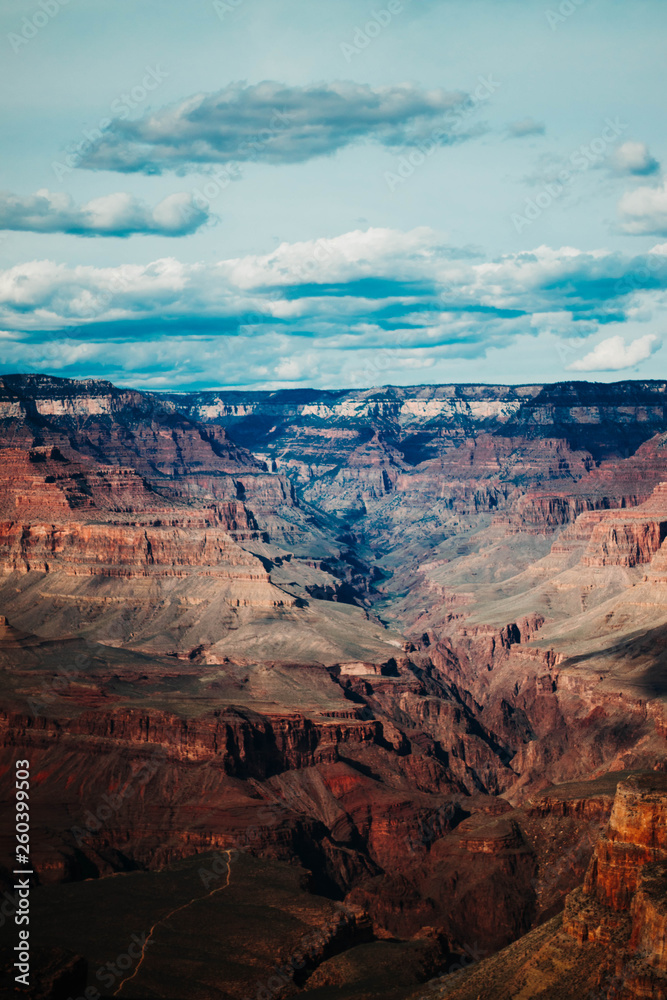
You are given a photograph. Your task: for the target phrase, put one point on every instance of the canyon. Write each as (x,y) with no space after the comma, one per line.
(396,656)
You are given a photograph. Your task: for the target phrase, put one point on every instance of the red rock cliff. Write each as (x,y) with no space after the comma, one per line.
(623,902)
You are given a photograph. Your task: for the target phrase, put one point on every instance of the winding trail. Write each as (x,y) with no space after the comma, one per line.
(168,916)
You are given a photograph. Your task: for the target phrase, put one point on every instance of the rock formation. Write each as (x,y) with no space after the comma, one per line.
(411,639)
(610,941)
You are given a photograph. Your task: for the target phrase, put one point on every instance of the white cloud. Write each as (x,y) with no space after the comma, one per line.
(357,273)
(644,211)
(118,214)
(613,354)
(331,300)
(524,127)
(274,123)
(362,253)
(634,158)
(341,286)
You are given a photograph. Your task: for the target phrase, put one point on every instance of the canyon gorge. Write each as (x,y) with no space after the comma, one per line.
(349,693)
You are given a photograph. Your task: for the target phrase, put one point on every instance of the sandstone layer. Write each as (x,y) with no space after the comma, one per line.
(411,639)
(610,941)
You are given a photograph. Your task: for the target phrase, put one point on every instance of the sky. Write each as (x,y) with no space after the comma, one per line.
(279,194)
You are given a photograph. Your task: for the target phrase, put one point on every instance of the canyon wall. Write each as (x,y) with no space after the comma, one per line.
(609,944)
(410,637)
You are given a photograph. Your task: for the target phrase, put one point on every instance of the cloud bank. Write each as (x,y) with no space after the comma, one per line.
(317,310)
(117,214)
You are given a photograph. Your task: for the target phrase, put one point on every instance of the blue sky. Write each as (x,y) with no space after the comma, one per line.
(251,193)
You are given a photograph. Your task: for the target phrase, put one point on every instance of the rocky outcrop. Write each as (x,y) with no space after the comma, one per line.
(125,550)
(628,537)
(649,916)
(79,523)
(624,543)
(611,941)
(583,412)
(636,835)
(569,447)
(381,783)
(242,743)
(94,421)
(616,484)
(623,901)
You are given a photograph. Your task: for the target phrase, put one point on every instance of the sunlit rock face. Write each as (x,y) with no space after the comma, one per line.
(610,941)
(410,638)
